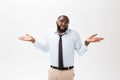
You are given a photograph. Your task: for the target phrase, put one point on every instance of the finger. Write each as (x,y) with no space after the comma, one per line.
(93,36)
(27,35)
(98,39)
(21,38)
(101,38)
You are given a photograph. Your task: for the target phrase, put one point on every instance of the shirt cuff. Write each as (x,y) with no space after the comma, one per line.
(36,44)
(85,47)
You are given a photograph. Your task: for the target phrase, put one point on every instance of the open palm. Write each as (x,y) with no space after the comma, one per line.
(93,38)
(27,37)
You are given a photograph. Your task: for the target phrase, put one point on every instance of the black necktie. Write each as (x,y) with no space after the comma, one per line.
(60,56)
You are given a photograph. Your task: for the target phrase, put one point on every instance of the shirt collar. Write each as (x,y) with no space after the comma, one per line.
(66,32)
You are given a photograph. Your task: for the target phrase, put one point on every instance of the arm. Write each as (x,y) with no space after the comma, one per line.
(81,49)
(29,38)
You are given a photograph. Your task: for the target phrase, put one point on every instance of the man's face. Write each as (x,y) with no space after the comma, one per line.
(62,24)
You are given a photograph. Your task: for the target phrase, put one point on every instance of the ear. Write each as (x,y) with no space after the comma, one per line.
(56,22)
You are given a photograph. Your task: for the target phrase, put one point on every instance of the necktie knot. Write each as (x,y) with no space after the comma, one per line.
(60,35)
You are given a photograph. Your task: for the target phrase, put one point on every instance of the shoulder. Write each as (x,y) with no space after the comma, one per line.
(73,32)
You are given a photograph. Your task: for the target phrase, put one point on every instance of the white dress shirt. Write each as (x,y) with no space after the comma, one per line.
(70,42)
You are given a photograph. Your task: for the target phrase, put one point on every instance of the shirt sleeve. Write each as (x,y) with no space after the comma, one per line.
(79,47)
(43,45)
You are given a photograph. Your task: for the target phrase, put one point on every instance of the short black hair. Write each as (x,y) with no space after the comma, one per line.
(65,17)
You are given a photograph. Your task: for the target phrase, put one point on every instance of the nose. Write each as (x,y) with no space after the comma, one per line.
(63,24)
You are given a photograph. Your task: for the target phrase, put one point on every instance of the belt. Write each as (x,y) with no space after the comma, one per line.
(65,68)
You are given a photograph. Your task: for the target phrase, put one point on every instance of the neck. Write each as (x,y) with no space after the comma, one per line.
(59,32)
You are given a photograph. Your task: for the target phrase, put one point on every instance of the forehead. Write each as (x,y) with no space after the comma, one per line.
(63,18)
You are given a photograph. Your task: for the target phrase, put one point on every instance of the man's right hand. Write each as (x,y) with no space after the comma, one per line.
(27,37)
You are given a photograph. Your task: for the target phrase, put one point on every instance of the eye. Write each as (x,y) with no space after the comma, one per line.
(61,20)
(66,22)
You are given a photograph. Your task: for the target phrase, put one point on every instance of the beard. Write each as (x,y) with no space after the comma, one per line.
(61,30)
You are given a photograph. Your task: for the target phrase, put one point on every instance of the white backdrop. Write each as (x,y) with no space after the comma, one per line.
(22,61)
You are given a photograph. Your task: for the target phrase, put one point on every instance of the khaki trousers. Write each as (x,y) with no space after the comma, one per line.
(54,74)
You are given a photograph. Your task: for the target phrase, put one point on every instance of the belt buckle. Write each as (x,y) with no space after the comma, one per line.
(68,68)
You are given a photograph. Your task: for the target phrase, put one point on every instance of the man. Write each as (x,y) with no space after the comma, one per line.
(61,43)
